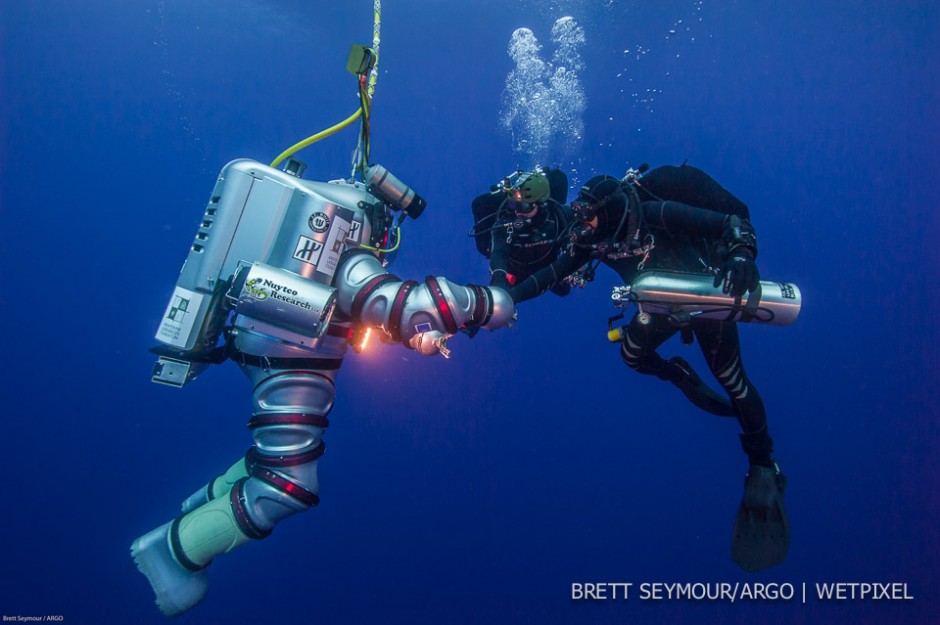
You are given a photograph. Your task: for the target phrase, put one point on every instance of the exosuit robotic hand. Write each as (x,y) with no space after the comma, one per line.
(288,271)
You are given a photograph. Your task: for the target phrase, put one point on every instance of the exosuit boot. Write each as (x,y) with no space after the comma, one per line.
(177,588)
(761,529)
(174,556)
(681,373)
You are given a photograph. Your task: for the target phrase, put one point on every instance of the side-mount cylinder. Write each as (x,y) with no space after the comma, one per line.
(694,295)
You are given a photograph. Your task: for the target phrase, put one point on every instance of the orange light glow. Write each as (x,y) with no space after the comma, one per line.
(365,339)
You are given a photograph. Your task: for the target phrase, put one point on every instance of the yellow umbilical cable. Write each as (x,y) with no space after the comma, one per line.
(391,249)
(320,135)
(373,77)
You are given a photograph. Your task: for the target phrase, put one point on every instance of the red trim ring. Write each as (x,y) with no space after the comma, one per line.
(398,309)
(240,510)
(262,420)
(437,294)
(257,457)
(281,483)
(359,301)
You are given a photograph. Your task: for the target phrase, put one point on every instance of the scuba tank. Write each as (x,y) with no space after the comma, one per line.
(686,296)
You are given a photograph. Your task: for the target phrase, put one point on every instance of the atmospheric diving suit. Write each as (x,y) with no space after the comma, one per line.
(282,276)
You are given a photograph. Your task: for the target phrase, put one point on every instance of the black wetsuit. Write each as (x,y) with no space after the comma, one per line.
(518,247)
(668,225)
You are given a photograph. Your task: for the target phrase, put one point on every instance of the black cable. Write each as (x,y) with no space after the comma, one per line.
(771,315)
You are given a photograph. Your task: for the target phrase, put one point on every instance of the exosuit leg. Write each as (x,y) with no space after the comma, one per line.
(638,350)
(217,487)
(276,479)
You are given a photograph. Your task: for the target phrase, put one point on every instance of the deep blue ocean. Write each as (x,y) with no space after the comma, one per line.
(476,489)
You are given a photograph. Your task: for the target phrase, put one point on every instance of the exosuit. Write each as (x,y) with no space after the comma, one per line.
(287,271)
(674,236)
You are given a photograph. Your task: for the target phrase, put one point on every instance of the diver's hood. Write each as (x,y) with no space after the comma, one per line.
(610,217)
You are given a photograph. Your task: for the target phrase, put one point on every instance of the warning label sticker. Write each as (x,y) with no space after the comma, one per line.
(334,247)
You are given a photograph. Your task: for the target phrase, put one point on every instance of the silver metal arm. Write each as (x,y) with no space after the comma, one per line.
(406,309)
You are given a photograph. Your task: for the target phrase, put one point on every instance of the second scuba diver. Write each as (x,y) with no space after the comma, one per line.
(521,224)
(680,219)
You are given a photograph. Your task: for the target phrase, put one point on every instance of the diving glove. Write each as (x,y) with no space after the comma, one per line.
(738,250)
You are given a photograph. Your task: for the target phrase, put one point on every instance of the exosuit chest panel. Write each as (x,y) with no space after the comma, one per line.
(260,213)
(257,213)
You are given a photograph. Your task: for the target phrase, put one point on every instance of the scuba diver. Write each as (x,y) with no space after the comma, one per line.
(678,219)
(521,224)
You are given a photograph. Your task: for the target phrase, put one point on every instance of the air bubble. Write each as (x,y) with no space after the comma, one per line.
(544,102)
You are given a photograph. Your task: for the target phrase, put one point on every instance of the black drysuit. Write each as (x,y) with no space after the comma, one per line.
(667,224)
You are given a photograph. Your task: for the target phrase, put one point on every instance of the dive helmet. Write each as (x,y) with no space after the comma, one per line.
(529,188)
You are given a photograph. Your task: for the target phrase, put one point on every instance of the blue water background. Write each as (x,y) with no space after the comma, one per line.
(475,489)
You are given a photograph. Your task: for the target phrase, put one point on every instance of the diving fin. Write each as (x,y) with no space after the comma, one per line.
(681,373)
(761,536)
